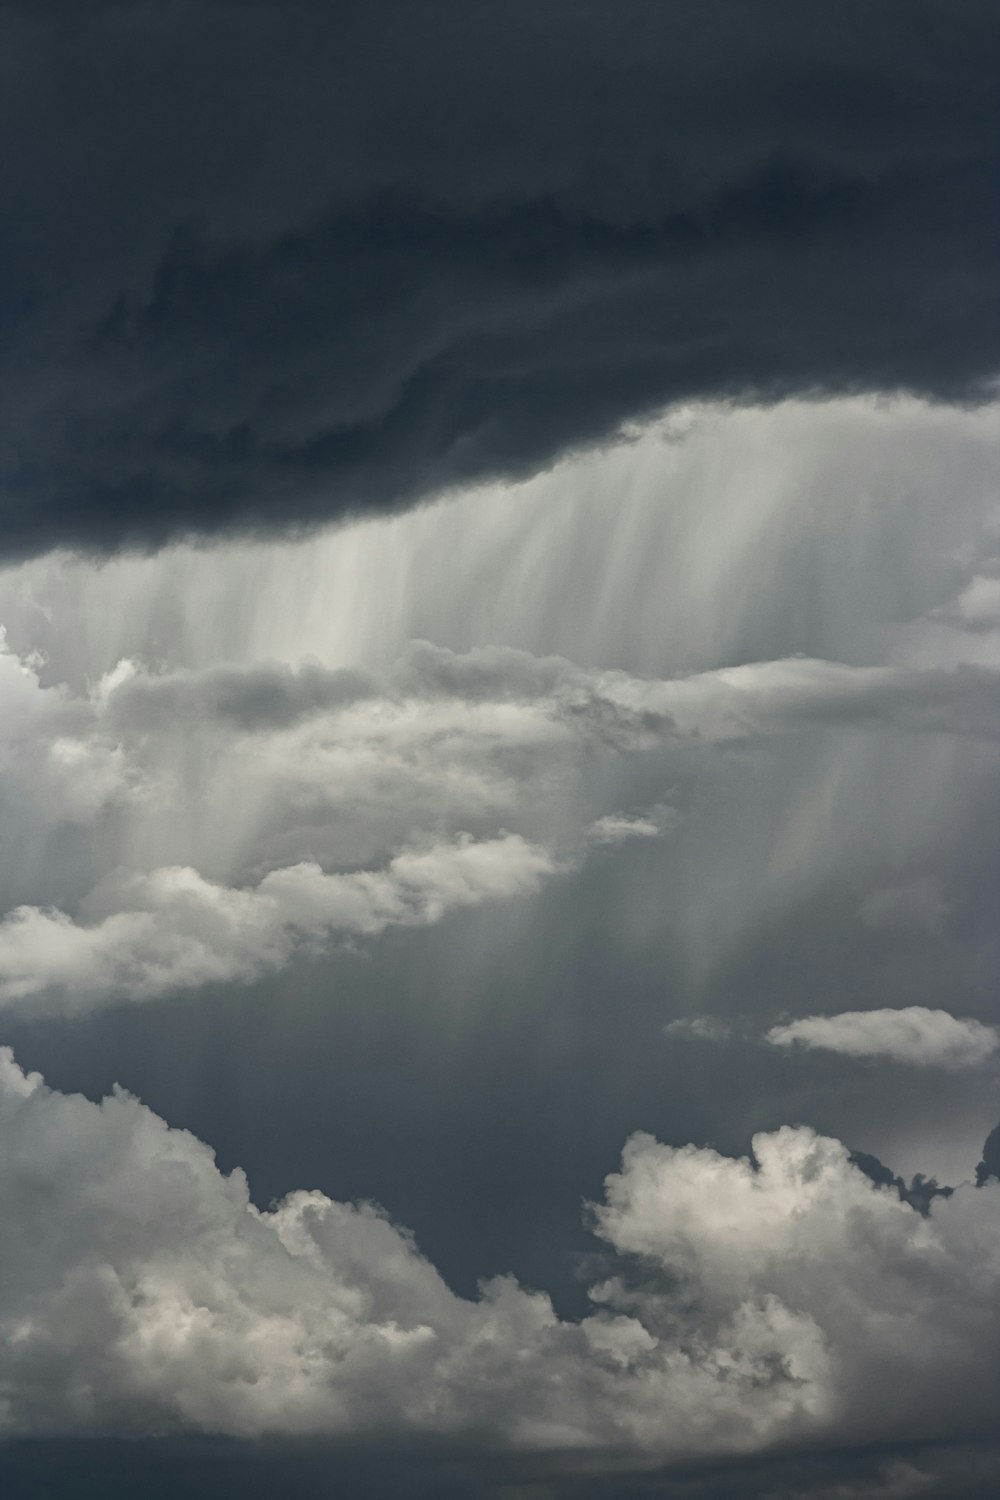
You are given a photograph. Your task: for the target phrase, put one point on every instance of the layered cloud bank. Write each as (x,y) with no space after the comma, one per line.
(388,248)
(740,1306)
(227,811)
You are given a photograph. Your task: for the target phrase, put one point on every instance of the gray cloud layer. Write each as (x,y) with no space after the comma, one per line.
(230,813)
(266,264)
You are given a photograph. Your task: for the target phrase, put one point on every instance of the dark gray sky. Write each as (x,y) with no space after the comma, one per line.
(570,900)
(267,264)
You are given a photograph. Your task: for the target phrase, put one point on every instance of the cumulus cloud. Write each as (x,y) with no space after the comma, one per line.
(914,1035)
(743,1304)
(200,799)
(173,930)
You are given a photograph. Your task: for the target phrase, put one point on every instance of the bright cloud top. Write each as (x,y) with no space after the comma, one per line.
(914,1035)
(743,1304)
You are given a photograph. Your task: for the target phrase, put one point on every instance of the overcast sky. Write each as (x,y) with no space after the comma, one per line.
(499,706)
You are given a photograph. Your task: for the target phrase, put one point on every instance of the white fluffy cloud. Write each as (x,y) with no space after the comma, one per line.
(742,1305)
(173,930)
(913,1034)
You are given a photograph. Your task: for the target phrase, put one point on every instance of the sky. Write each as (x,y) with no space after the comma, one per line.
(499,705)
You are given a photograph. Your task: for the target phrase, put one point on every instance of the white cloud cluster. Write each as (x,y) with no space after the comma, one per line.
(742,1304)
(913,1034)
(173,930)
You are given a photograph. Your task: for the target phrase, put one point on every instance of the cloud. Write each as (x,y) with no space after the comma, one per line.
(798,693)
(977,607)
(920,1192)
(744,1305)
(699,1029)
(172,930)
(728,704)
(267,696)
(204,802)
(375,261)
(749,519)
(913,1035)
(615,828)
(143,1290)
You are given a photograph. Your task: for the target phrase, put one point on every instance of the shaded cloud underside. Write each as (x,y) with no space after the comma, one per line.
(267,265)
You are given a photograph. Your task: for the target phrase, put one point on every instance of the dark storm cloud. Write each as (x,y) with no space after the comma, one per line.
(989,1166)
(268,264)
(919,1193)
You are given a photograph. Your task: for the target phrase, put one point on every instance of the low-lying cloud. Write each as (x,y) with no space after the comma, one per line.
(914,1035)
(229,817)
(741,1304)
(172,930)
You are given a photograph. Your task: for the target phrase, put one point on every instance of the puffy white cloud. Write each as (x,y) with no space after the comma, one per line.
(913,1034)
(865,1282)
(173,930)
(743,1304)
